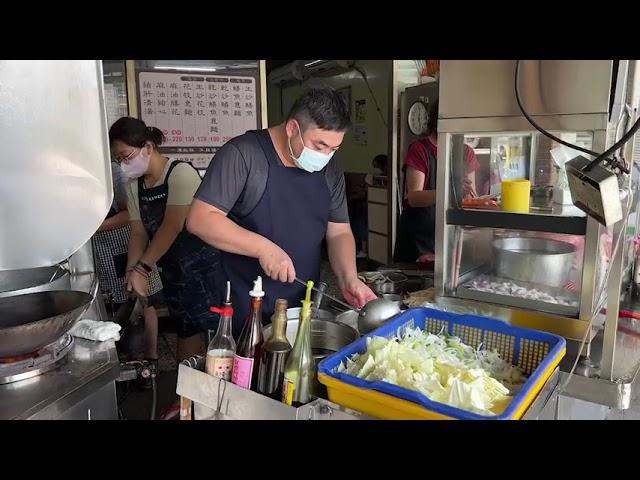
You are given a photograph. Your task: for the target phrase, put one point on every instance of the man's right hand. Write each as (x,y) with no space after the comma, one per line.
(276,263)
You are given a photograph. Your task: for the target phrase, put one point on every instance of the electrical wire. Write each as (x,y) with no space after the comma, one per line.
(154,392)
(598,157)
(619,144)
(538,127)
(601,297)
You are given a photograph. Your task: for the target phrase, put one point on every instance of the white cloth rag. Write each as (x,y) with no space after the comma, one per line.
(95,330)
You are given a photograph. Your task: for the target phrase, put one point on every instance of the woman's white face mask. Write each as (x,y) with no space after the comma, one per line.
(136,166)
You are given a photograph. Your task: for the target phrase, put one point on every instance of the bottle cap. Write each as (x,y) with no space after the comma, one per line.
(226,311)
(281,305)
(257,291)
(306,303)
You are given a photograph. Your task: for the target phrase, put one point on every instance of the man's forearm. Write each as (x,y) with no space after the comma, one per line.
(424,198)
(224,234)
(342,256)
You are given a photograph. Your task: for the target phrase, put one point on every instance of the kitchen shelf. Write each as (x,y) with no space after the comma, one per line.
(549,223)
(467,292)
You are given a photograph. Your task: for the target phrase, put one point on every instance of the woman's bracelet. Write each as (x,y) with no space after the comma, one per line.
(141,271)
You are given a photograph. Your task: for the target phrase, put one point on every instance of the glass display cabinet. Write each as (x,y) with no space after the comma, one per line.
(552,268)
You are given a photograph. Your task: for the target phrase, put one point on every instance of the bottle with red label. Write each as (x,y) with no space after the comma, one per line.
(246,361)
(222,347)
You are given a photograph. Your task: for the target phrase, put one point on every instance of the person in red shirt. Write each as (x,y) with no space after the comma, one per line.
(415,240)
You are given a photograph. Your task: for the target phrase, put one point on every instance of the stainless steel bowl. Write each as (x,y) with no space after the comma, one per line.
(534,260)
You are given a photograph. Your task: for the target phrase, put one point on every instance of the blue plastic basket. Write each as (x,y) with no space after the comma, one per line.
(536,353)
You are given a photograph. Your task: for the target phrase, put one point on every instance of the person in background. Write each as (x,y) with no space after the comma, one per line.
(380,165)
(415,240)
(158,197)
(269,199)
(357,195)
(356,187)
(110,246)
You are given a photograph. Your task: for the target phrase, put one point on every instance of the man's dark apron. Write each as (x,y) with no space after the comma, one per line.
(189,270)
(417,226)
(293,213)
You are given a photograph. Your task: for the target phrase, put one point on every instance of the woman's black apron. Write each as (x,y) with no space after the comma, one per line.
(417,226)
(189,270)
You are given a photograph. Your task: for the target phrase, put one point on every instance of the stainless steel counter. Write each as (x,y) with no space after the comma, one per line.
(83,387)
(209,394)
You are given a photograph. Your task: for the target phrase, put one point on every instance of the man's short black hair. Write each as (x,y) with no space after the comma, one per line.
(322,108)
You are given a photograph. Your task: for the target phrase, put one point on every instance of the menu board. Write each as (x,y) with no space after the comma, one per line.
(111,103)
(199,160)
(198,113)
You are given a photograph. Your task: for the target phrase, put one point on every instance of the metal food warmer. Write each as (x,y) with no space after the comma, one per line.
(53,137)
(554,268)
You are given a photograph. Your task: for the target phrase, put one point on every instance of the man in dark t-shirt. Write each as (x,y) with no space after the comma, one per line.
(269,199)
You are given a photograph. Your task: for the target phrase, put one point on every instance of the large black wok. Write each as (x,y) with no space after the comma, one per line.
(31,321)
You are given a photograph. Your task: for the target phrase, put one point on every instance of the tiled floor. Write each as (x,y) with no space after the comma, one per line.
(135,402)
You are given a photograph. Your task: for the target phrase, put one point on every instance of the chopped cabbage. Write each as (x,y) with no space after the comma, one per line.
(441,367)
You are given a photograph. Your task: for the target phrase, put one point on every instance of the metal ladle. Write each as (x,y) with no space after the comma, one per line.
(322,293)
(372,315)
(376,313)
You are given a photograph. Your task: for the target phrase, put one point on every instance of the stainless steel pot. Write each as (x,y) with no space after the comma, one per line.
(534,260)
(327,337)
(32,321)
(350,318)
(388,288)
(294,314)
(394,298)
(20,282)
(385,282)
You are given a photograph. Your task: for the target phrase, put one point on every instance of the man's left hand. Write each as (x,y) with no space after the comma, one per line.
(357,294)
